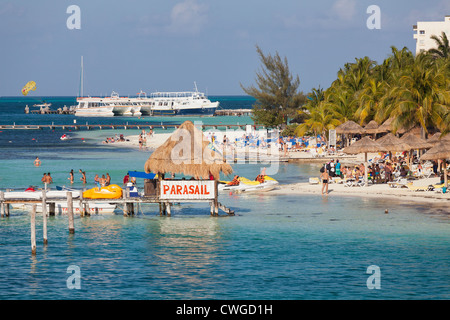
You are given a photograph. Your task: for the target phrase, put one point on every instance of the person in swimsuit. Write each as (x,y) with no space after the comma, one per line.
(83,176)
(37,162)
(325,178)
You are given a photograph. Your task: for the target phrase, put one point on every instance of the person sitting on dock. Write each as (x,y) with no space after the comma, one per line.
(235,181)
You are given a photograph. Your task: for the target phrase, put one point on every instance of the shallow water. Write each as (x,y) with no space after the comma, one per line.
(276,247)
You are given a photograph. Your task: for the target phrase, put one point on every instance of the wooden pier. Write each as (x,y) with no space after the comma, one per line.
(117,126)
(234,112)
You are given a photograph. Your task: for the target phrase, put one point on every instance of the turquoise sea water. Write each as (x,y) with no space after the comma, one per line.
(276,247)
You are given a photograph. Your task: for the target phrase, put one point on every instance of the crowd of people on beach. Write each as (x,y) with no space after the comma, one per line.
(380,170)
(116,138)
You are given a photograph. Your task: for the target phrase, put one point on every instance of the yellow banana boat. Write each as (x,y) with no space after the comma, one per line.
(112,191)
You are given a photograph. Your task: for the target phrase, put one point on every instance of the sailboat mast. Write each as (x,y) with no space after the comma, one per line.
(81,80)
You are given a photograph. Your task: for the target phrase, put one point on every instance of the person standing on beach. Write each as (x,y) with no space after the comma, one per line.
(37,162)
(325,178)
(338,168)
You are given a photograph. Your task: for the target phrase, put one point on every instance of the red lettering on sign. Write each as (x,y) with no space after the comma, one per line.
(165,188)
(196,190)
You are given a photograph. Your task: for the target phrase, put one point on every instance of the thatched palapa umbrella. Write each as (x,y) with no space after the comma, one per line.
(365,145)
(440,151)
(393,144)
(371,127)
(349,127)
(415,143)
(386,126)
(187,151)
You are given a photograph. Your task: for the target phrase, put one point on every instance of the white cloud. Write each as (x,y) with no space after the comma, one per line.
(345,9)
(188,17)
(185,18)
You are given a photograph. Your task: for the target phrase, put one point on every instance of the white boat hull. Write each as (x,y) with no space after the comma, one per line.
(242,187)
(62,208)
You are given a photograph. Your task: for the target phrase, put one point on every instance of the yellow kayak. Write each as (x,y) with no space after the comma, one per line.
(112,191)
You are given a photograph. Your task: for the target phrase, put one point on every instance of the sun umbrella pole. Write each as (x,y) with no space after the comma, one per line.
(445,175)
(366,176)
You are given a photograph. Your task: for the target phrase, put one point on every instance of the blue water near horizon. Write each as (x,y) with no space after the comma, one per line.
(277,247)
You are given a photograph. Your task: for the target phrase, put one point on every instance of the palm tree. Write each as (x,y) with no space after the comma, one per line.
(443,46)
(422,96)
(320,121)
(370,100)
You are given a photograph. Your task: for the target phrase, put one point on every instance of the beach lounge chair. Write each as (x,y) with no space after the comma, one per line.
(314,180)
(398,183)
(419,188)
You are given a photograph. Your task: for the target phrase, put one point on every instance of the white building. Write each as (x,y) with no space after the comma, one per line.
(425,29)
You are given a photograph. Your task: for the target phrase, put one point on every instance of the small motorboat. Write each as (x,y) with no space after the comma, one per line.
(112,191)
(32,193)
(246,185)
(65,137)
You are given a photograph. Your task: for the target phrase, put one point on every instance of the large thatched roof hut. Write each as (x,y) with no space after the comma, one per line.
(188,152)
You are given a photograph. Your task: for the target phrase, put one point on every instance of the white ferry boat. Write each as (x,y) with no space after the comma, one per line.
(158,104)
(178,103)
(106,106)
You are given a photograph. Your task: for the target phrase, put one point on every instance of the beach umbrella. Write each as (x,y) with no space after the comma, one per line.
(393,144)
(365,145)
(189,152)
(371,127)
(349,128)
(440,151)
(438,137)
(415,143)
(386,126)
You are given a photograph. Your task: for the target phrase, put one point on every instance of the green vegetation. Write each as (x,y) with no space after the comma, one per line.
(277,96)
(413,90)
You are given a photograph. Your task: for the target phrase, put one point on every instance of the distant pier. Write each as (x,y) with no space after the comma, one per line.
(234,112)
(117,126)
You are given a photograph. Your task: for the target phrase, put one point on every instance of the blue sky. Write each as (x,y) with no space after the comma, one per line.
(166,45)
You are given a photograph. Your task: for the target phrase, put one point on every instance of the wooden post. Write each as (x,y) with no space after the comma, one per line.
(216,198)
(160,209)
(33,230)
(51,208)
(211,204)
(70,212)
(82,207)
(2,204)
(168,209)
(44,215)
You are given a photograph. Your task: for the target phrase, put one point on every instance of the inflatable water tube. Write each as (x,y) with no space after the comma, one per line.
(112,191)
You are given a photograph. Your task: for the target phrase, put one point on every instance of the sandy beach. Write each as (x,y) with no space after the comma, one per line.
(379,191)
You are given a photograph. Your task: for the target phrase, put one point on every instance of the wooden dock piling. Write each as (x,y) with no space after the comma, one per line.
(44,215)
(33,230)
(2,204)
(70,212)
